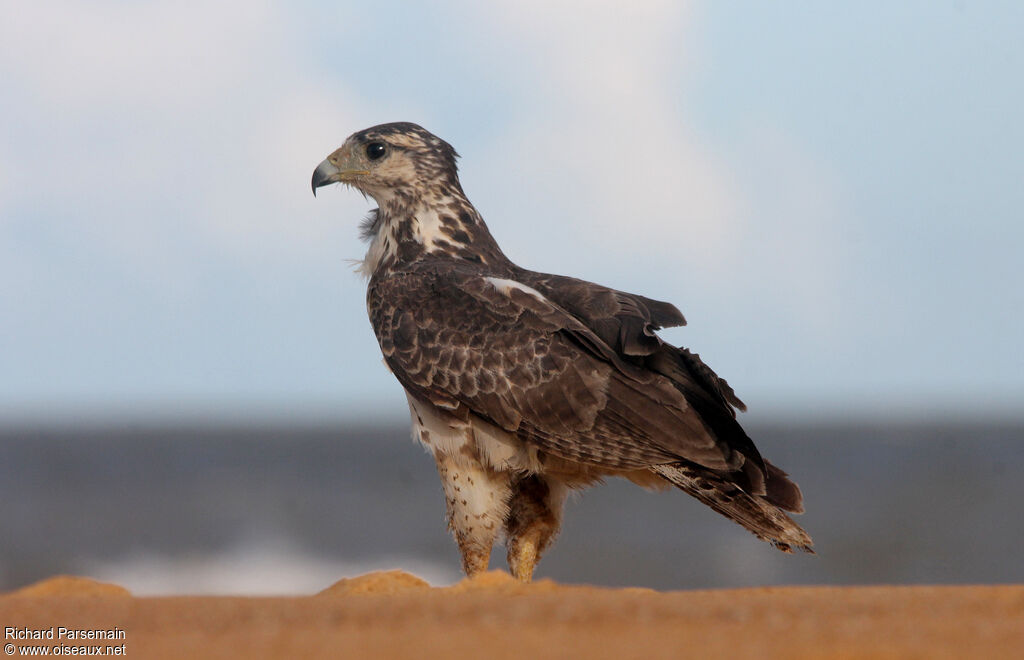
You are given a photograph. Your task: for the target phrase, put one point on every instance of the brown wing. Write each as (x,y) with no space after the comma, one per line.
(504,352)
(627,322)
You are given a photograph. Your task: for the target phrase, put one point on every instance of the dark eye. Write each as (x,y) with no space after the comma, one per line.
(375,150)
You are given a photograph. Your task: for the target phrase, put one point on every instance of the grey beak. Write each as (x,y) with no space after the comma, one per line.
(326,172)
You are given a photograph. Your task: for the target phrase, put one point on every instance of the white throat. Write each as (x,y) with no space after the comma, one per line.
(382,244)
(426,230)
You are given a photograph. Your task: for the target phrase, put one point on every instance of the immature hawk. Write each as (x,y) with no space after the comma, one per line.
(523,385)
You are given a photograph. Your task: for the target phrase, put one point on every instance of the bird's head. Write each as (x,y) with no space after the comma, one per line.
(400,160)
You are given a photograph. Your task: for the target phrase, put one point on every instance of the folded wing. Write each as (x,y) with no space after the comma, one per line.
(614,396)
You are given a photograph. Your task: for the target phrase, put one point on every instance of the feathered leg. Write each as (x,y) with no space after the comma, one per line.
(534,518)
(477,503)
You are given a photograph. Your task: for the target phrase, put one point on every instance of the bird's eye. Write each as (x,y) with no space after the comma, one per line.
(375,150)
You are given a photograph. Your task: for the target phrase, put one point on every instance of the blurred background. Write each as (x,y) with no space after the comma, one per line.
(191,397)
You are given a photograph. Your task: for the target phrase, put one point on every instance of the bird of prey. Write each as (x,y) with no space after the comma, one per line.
(524,385)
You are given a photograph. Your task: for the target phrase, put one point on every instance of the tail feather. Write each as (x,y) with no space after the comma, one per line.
(782,492)
(761,515)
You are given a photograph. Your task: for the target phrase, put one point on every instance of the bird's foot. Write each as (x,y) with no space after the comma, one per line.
(523,555)
(474,560)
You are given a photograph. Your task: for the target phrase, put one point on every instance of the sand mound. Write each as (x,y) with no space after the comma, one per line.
(69,585)
(381,582)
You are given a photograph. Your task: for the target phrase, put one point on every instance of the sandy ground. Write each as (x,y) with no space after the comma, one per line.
(395,614)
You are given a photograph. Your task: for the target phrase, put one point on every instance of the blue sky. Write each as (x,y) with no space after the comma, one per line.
(832,195)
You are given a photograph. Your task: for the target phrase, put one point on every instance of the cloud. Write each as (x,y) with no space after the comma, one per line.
(607,142)
(155,126)
(175,55)
(177,122)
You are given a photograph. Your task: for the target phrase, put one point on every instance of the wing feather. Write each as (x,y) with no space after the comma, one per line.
(624,321)
(558,384)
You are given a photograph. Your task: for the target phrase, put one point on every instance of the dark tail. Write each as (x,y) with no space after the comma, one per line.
(761,514)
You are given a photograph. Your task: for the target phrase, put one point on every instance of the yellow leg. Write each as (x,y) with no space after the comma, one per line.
(523,554)
(535,516)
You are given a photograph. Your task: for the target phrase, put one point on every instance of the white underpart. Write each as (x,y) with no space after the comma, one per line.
(496,448)
(476,465)
(505,287)
(500,450)
(377,250)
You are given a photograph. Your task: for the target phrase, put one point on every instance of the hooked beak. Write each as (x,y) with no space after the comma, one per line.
(327,172)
